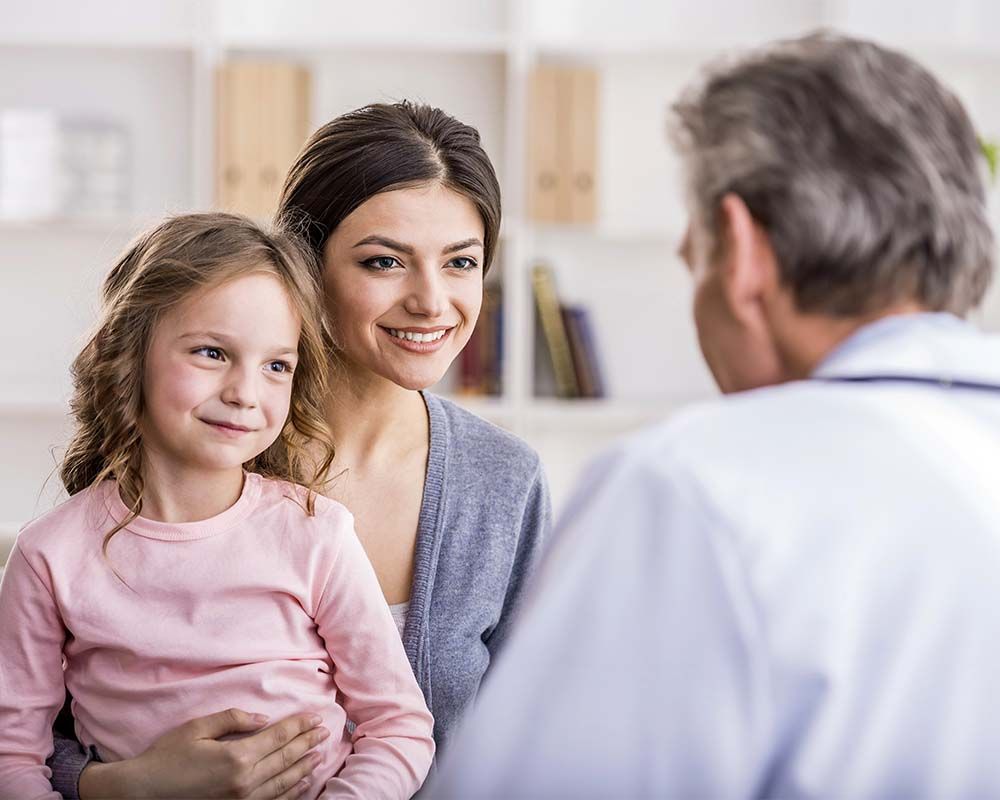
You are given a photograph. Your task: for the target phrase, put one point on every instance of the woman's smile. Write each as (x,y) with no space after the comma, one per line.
(419,340)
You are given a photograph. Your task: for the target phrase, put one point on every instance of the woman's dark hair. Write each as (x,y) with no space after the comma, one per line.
(382,147)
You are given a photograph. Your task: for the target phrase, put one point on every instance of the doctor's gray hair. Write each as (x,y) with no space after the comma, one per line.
(865,172)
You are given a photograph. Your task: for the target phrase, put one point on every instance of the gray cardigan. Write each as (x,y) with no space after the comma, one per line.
(484,516)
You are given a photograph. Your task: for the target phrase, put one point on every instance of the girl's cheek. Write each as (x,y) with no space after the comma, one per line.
(188,388)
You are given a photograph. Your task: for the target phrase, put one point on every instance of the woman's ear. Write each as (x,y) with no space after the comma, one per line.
(747,264)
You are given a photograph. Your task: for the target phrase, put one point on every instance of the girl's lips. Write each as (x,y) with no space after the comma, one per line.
(419,347)
(231,431)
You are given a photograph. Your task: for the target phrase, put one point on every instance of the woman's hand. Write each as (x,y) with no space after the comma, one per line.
(189,761)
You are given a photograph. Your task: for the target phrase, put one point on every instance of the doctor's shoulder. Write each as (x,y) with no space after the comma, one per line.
(725,428)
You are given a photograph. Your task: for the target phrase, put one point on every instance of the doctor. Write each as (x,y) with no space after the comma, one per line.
(793,591)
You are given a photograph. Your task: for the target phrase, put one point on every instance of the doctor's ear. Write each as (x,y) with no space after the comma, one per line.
(749,268)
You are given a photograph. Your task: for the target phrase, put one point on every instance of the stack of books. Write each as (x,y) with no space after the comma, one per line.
(481,362)
(569,338)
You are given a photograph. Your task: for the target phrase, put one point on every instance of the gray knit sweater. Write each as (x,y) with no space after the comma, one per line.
(484,515)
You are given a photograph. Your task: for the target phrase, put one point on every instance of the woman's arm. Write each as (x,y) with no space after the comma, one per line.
(190,762)
(393,744)
(535,526)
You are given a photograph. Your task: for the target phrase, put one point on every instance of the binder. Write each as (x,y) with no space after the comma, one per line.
(262,123)
(548,192)
(562,141)
(581,145)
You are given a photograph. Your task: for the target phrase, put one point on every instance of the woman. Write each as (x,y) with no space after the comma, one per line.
(401,206)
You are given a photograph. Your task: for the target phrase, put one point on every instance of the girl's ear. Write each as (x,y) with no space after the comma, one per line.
(749,269)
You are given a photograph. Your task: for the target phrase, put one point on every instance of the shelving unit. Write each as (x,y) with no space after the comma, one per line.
(151,65)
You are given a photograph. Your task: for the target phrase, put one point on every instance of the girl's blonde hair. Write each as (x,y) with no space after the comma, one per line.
(183,255)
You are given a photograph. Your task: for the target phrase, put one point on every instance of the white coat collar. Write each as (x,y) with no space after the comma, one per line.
(940,346)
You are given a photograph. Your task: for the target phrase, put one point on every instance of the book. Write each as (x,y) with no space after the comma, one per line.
(579,331)
(481,360)
(554,330)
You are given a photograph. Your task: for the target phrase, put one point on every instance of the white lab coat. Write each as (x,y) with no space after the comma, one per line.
(791,592)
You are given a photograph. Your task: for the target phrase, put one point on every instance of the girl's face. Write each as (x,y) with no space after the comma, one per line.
(403,275)
(218,376)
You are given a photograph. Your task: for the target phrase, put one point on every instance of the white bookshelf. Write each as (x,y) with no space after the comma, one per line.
(150,65)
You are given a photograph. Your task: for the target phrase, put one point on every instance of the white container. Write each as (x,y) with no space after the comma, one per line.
(30,173)
(96,168)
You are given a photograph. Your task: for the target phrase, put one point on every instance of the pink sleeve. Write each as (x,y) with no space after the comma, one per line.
(393,742)
(31,680)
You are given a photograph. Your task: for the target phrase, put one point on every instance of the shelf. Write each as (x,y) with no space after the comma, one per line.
(668,235)
(603,414)
(683,52)
(80,225)
(494,409)
(304,45)
(20,408)
(114,24)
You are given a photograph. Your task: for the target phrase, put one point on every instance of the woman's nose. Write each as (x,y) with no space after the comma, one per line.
(426,295)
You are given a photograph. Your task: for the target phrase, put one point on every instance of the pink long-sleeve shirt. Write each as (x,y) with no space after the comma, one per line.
(261,607)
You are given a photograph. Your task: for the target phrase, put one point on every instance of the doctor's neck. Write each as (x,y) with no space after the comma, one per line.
(804,340)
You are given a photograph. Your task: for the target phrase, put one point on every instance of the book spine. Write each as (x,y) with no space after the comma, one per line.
(584,378)
(470,375)
(588,344)
(498,328)
(543,283)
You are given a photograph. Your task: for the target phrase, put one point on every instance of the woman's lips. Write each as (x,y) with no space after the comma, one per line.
(421,347)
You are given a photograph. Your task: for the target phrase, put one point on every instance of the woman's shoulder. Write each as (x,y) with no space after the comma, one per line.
(472,440)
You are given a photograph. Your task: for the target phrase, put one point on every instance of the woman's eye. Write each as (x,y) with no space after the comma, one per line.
(381,263)
(279,366)
(214,353)
(463,263)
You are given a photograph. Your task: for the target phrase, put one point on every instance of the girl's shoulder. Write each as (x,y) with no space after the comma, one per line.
(301,506)
(76,519)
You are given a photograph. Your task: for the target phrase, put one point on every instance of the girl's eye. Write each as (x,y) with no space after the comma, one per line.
(464,263)
(214,353)
(280,367)
(381,263)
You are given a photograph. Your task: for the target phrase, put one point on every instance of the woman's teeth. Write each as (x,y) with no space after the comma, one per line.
(417,337)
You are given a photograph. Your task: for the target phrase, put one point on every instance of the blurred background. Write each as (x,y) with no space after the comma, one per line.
(115,112)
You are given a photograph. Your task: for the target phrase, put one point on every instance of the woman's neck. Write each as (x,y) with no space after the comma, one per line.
(179,495)
(373,419)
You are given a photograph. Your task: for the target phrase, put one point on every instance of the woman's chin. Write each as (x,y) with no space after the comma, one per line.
(415,380)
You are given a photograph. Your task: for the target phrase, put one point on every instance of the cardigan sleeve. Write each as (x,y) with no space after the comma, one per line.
(67,763)
(535,526)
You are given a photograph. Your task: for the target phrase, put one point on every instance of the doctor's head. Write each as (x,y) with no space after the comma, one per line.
(829,182)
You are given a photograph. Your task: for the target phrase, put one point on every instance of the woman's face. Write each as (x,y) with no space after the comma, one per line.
(403,275)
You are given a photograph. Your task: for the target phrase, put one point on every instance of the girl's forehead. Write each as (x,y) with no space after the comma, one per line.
(244,302)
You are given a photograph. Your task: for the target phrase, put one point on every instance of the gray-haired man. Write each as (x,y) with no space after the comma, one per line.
(792,591)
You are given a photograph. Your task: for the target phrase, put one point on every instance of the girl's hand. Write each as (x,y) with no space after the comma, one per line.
(190,762)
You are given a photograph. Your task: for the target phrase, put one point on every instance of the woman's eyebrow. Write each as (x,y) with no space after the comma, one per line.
(385,241)
(462,245)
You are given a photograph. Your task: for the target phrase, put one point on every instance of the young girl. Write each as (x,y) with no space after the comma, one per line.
(186,573)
